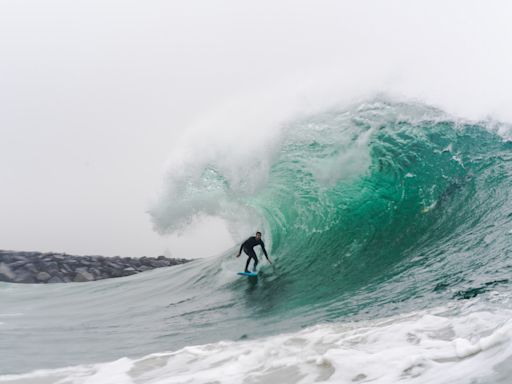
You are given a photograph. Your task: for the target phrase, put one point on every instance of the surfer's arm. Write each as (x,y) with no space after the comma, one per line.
(241,246)
(265,251)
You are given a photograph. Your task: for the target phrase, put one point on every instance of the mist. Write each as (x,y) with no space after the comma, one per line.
(102,102)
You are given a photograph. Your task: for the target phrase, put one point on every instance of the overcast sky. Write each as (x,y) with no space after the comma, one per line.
(97,96)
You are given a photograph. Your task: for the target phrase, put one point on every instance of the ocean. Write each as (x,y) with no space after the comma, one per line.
(390,228)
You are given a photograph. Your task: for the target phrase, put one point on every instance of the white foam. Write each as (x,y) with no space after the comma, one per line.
(421,347)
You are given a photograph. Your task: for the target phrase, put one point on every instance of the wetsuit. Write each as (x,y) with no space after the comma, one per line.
(248,246)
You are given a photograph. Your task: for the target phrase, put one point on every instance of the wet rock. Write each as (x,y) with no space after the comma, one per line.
(17,264)
(83,276)
(95,271)
(26,278)
(129,271)
(156,264)
(6,274)
(30,267)
(116,272)
(43,276)
(113,265)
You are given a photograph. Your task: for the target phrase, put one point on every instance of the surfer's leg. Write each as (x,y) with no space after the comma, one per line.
(252,255)
(247,264)
(255,263)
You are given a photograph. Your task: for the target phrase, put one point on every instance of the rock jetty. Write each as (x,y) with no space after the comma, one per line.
(37,267)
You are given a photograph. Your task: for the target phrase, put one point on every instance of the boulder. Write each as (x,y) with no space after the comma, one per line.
(155,263)
(129,271)
(43,276)
(52,265)
(115,272)
(6,273)
(31,268)
(17,264)
(64,268)
(25,277)
(113,265)
(83,276)
(135,263)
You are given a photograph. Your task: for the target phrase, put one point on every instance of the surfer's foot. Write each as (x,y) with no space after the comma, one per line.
(246,271)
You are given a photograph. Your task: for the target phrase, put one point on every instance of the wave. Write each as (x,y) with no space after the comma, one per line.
(351,199)
(369,212)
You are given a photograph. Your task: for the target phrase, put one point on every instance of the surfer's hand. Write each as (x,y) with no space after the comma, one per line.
(238,255)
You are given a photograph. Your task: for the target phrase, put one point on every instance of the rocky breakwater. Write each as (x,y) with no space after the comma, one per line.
(36,267)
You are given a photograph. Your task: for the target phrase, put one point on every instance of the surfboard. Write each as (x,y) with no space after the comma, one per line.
(249,274)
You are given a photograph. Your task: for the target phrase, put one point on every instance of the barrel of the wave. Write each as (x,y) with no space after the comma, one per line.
(426,183)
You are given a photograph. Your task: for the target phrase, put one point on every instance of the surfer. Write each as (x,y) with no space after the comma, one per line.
(248,246)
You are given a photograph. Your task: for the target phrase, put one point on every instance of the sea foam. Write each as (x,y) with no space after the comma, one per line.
(435,346)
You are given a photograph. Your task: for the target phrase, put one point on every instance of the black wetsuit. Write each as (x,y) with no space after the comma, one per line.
(248,246)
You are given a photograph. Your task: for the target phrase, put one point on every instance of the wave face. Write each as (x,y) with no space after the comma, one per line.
(368,212)
(388,197)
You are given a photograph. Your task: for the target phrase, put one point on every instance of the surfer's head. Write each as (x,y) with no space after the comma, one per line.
(258,235)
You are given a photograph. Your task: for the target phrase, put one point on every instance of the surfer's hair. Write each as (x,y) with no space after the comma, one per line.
(258,233)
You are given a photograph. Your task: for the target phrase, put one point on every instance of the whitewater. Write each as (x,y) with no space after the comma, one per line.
(390,224)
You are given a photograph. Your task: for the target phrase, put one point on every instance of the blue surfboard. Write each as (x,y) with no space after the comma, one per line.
(249,274)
